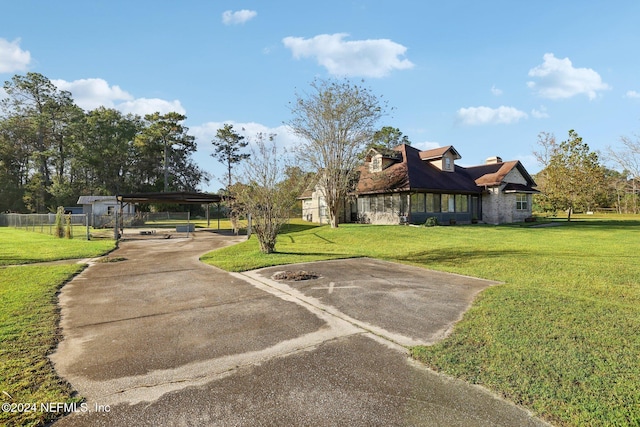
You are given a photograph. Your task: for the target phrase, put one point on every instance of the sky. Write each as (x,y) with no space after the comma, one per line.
(484,76)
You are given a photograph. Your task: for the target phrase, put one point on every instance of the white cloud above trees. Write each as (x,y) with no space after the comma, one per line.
(473,116)
(363,58)
(143,106)
(12,57)
(558,78)
(207,131)
(90,94)
(230,17)
(632,94)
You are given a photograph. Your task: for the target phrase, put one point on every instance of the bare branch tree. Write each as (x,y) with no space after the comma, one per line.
(629,159)
(264,193)
(336,120)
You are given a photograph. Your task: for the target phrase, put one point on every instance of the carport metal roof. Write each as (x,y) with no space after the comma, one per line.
(171,198)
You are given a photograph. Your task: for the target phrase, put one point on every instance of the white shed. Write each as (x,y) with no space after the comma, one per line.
(102,206)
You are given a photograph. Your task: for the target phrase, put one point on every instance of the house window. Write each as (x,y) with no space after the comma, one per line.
(376,164)
(447,203)
(522,202)
(462,203)
(433,202)
(447,163)
(110,210)
(363,204)
(417,203)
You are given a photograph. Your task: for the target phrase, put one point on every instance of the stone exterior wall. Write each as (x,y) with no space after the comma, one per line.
(499,207)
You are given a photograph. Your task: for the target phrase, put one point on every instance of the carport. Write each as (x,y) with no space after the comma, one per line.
(173,198)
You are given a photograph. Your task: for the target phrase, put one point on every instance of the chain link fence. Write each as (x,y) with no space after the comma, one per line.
(73,226)
(112,226)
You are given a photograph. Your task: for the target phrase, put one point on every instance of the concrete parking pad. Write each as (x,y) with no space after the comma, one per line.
(409,305)
(160,338)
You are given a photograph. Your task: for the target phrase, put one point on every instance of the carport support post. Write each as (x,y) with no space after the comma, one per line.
(188,224)
(115,226)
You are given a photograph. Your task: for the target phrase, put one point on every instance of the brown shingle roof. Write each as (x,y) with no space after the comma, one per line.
(437,153)
(412,171)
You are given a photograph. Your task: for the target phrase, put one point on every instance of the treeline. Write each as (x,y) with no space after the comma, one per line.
(52,151)
(573,178)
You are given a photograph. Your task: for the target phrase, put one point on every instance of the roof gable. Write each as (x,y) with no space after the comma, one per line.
(495,173)
(438,153)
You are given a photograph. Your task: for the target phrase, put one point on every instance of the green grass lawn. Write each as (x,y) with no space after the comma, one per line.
(29,318)
(24,247)
(561,336)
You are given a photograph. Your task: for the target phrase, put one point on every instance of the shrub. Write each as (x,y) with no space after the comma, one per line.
(59,226)
(432,221)
(68,231)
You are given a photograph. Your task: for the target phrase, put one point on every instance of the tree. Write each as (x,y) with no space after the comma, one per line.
(108,154)
(572,176)
(335,121)
(388,138)
(265,193)
(227,145)
(629,159)
(44,114)
(164,150)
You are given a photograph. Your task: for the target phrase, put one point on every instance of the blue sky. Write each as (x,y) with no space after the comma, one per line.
(484,76)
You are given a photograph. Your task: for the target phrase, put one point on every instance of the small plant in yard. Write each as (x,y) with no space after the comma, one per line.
(432,221)
(59,219)
(68,233)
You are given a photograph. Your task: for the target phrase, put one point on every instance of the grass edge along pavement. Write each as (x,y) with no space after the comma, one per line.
(29,322)
(559,337)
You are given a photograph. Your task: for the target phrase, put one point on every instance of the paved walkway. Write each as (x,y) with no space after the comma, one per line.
(162,339)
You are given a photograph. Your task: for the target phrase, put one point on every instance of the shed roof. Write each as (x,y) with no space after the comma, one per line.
(87,200)
(171,198)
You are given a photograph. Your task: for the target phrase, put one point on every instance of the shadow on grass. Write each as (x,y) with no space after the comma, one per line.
(295,228)
(603,223)
(457,256)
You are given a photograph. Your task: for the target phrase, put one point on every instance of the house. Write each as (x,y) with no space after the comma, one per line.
(407,185)
(100,208)
(314,206)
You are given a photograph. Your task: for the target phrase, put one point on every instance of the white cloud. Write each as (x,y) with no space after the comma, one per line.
(143,106)
(366,58)
(238,17)
(541,113)
(426,145)
(557,79)
(206,132)
(485,115)
(496,91)
(632,94)
(12,58)
(90,94)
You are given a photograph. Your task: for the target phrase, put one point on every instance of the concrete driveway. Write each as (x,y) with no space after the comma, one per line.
(162,339)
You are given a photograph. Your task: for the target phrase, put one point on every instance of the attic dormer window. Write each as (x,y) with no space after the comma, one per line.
(447,163)
(376,164)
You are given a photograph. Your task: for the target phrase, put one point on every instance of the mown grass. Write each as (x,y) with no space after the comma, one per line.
(24,247)
(29,319)
(559,337)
